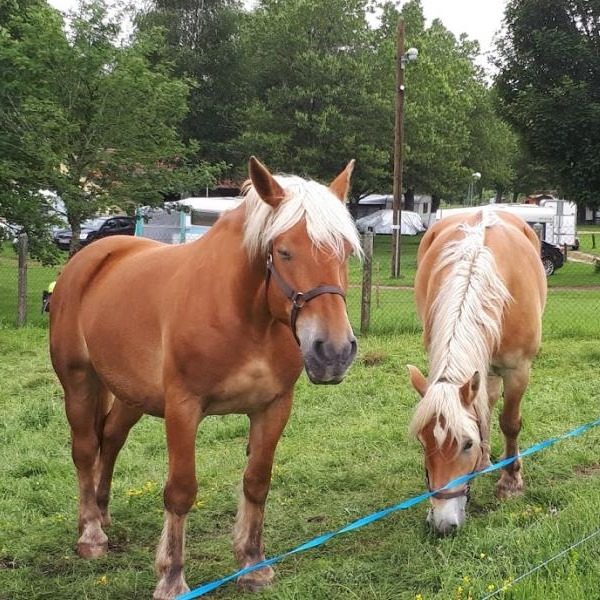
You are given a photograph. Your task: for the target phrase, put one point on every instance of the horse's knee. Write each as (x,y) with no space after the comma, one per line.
(510,427)
(256,486)
(179,495)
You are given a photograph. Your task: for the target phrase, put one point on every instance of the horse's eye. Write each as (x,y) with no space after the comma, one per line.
(283,254)
(468,445)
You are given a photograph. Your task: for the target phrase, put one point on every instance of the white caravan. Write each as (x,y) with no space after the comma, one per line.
(557,218)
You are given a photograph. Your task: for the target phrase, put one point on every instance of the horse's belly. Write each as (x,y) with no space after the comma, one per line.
(244,390)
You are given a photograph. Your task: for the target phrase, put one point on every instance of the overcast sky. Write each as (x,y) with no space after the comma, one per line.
(479,19)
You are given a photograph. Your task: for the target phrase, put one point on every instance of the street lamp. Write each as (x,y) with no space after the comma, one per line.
(402,59)
(475,177)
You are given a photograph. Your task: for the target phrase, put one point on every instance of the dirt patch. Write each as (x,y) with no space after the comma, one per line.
(588,471)
(372,359)
(7,562)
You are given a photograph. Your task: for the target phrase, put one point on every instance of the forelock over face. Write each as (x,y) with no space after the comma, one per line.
(328,223)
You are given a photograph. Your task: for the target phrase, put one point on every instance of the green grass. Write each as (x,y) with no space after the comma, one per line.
(345,453)
(38,278)
(589,239)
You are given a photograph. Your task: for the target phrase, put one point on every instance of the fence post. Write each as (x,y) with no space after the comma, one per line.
(22,285)
(565,248)
(593,241)
(365,304)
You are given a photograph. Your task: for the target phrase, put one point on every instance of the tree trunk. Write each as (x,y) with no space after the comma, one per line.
(580,213)
(409,199)
(435,203)
(75,233)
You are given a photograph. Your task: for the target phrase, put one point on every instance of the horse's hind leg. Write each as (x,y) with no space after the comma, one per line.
(515,384)
(86,402)
(265,430)
(117,425)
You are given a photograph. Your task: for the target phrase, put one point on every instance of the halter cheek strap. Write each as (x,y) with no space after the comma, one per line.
(299,299)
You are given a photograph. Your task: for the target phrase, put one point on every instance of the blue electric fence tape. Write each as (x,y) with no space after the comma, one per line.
(376,516)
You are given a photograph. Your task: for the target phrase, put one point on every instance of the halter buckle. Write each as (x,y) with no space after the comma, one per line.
(298,300)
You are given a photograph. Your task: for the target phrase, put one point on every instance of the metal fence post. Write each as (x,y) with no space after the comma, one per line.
(365,304)
(22,285)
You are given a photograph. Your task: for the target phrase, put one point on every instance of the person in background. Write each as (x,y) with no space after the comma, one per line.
(46,295)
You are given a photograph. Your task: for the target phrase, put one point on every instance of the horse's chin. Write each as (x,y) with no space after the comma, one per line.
(323,377)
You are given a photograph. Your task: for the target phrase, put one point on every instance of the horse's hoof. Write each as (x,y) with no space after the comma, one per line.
(86,550)
(164,591)
(509,487)
(257,580)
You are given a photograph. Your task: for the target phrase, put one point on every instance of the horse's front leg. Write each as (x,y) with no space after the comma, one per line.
(515,384)
(265,430)
(494,383)
(181,419)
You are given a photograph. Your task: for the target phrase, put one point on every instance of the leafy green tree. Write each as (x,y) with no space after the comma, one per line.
(450,123)
(549,83)
(100,117)
(202,41)
(30,39)
(313,99)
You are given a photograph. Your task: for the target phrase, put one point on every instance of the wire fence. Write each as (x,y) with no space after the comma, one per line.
(384,306)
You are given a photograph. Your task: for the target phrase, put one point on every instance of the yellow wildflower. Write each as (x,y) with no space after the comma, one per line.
(102,580)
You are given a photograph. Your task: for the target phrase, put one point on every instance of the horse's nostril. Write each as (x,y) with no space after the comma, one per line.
(319,349)
(353,348)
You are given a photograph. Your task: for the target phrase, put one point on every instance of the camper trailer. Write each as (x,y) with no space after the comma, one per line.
(556,218)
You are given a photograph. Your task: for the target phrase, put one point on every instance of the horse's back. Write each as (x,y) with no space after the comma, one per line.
(516,252)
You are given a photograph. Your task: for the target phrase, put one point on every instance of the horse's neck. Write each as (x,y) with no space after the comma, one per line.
(239,280)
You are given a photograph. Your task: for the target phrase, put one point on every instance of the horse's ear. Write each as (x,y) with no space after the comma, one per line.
(341,184)
(468,391)
(417,379)
(264,183)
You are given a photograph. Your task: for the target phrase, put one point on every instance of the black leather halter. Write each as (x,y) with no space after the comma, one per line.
(464,490)
(299,299)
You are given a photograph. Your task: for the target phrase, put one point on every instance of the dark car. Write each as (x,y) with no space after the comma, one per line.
(94,229)
(552,258)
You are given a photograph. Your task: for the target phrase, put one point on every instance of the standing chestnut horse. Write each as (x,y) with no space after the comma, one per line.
(221,325)
(480,290)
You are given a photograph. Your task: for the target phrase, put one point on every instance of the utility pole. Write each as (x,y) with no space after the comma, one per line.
(398,142)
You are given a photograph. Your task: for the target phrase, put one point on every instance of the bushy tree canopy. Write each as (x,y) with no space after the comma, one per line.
(549,83)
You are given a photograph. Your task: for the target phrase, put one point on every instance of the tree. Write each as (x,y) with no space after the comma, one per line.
(202,41)
(549,84)
(30,38)
(451,127)
(313,99)
(100,118)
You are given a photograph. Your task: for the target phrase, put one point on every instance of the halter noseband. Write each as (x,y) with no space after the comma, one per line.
(299,299)
(465,490)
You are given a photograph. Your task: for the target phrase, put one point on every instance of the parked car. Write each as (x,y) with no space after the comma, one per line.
(94,229)
(552,258)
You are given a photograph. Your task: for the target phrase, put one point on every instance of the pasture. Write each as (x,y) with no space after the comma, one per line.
(345,453)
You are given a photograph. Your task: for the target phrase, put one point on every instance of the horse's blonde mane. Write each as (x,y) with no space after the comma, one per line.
(464,324)
(328,222)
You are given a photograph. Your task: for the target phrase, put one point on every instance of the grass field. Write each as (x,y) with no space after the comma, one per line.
(345,453)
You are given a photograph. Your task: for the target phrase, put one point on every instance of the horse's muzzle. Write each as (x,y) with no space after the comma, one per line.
(326,362)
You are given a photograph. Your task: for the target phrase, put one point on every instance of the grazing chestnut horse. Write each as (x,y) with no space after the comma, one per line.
(480,290)
(221,325)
